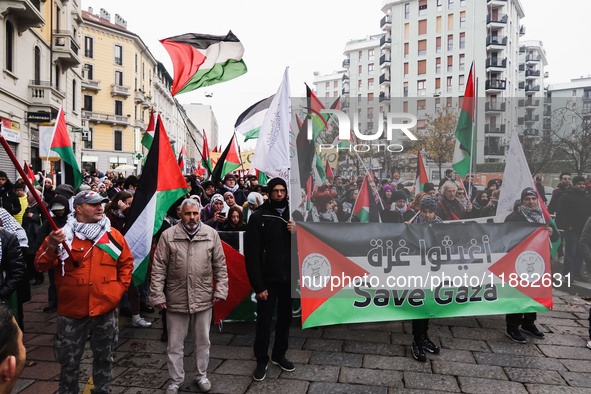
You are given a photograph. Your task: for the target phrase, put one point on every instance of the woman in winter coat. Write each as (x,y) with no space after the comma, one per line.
(8,198)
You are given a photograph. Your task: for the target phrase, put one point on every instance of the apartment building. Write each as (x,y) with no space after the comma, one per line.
(330,85)
(40,73)
(532,71)
(567,107)
(204,119)
(426,54)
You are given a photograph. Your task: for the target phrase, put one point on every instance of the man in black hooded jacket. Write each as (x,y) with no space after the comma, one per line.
(268,263)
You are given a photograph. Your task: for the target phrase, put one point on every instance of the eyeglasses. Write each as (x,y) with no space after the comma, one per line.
(278,191)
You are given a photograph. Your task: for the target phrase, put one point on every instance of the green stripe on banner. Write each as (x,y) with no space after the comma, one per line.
(139,273)
(220,72)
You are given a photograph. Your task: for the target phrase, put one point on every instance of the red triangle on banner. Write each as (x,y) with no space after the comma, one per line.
(238,284)
(340,266)
(529,253)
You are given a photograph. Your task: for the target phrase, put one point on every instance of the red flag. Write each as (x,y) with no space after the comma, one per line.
(238,284)
(30,174)
(329,173)
(421,175)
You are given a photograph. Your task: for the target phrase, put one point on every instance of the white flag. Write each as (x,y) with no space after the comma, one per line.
(271,154)
(516,178)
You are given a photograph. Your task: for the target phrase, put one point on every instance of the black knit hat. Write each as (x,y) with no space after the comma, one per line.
(429,202)
(276,181)
(528,191)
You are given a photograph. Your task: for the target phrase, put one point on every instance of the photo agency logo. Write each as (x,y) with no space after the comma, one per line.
(397,126)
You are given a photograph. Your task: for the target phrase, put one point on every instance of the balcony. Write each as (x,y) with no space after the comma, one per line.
(65,48)
(547,111)
(496,41)
(98,117)
(522,67)
(44,95)
(147,102)
(521,30)
(498,19)
(384,79)
(494,151)
(345,91)
(26,13)
(532,73)
(532,88)
(384,60)
(386,23)
(383,97)
(532,58)
(522,49)
(495,84)
(586,95)
(531,118)
(118,90)
(496,63)
(385,41)
(494,130)
(138,96)
(532,103)
(139,124)
(89,84)
(494,107)
(346,63)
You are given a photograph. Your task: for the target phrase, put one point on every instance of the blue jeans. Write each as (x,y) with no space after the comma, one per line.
(572,260)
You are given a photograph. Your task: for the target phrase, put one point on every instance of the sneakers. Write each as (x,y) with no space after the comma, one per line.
(284,364)
(172,389)
(516,336)
(138,321)
(260,372)
(417,352)
(533,331)
(429,346)
(204,385)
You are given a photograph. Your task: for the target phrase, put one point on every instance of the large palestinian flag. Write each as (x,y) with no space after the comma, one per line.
(62,145)
(353,273)
(465,131)
(250,121)
(203,59)
(161,184)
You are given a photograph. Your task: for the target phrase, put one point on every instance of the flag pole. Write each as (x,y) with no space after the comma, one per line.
(474,131)
(33,191)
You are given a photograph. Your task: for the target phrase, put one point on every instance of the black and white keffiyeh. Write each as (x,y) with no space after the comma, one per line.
(90,231)
(532,215)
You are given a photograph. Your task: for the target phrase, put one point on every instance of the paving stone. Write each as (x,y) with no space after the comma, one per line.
(86,372)
(436,331)
(22,384)
(140,377)
(42,340)
(395,363)
(389,326)
(571,308)
(483,334)
(471,322)
(510,360)
(42,370)
(426,381)
(319,344)
(231,352)
(142,346)
(313,373)
(314,332)
(577,365)
(492,322)
(242,340)
(383,349)
(141,333)
(467,369)
(356,335)
(339,359)
(401,339)
(371,377)
(220,338)
(240,367)
(557,314)
(564,340)
(551,389)
(478,385)
(555,321)
(37,317)
(571,330)
(579,379)
(274,386)
(41,386)
(527,375)
(239,328)
(510,347)
(337,388)
(415,391)
(142,390)
(581,353)
(460,356)
(464,344)
(298,356)
(41,353)
(140,360)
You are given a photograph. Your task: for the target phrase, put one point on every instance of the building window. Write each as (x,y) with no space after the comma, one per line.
(449,84)
(422,47)
(421,90)
(438,44)
(422,27)
(37,66)
(87,103)
(405,89)
(9,46)
(450,63)
(74,95)
(118,55)
(437,84)
(370,83)
(450,21)
(461,83)
(58,74)
(439,5)
(327,85)
(450,4)
(89,47)
(118,107)
(405,106)
(327,94)
(370,98)
(462,62)
(88,72)
(421,105)
(463,19)
(88,141)
(370,55)
(462,3)
(118,140)
(438,24)
(462,40)
(438,65)
(118,78)
(437,104)
(449,102)
(406,30)
(360,69)
(422,7)
(359,84)
(450,42)
(422,67)
(406,50)
(360,55)
(336,84)
(370,67)
(406,11)
(136,62)
(405,70)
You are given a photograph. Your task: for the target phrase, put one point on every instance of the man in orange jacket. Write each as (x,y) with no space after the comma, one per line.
(89,287)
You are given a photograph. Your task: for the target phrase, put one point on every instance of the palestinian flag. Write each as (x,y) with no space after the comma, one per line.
(228,162)
(250,121)
(550,222)
(30,174)
(261,177)
(181,160)
(328,171)
(421,175)
(465,130)
(361,207)
(239,287)
(62,145)
(161,184)
(203,60)
(149,134)
(205,157)
(110,245)
(309,193)
(215,149)
(501,253)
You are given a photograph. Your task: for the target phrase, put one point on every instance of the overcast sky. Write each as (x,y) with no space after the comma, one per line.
(310,36)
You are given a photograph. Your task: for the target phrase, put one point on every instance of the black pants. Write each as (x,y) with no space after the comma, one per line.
(280,296)
(419,328)
(514,320)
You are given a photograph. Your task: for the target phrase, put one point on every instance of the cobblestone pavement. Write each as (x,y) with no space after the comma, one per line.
(476,357)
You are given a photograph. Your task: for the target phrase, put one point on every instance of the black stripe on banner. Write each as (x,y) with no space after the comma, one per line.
(114,241)
(253,109)
(203,41)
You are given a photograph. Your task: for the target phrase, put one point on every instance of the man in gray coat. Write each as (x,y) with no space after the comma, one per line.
(188,256)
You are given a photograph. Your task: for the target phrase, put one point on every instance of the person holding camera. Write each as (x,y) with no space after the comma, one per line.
(214,214)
